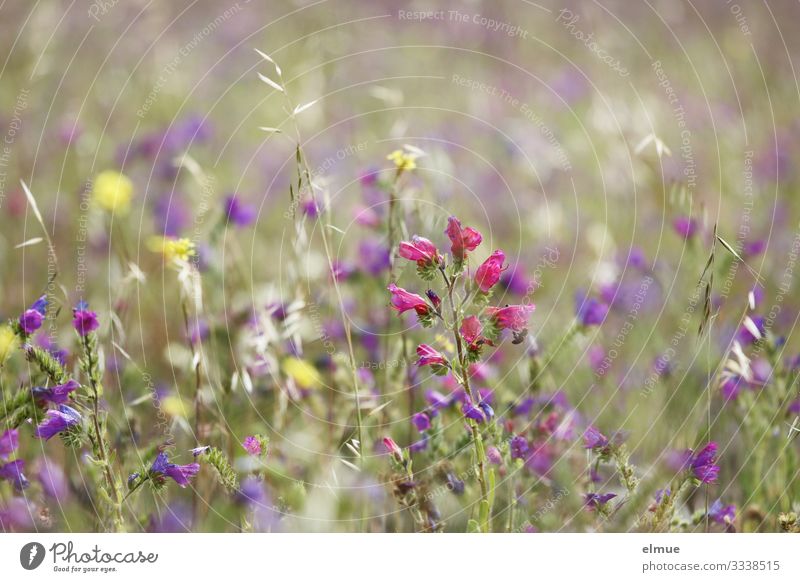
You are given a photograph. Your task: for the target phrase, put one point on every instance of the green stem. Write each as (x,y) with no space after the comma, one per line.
(477,439)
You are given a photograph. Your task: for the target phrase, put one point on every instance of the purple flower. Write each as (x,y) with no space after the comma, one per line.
(84,321)
(660,493)
(519,447)
(598,500)
(722,514)
(30,321)
(590,311)
(12,472)
(374,256)
(252,445)
(685,226)
(703,464)
(473,412)
(181,474)
(53,480)
(494,456)
(422,421)
(239,213)
(454,484)
(9,442)
(57,421)
(595,440)
(745,334)
(54,395)
(420,445)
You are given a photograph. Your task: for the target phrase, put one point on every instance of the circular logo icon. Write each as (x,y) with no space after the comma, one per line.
(31,555)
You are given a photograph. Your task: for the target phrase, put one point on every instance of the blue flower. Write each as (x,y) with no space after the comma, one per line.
(181,474)
(12,472)
(57,421)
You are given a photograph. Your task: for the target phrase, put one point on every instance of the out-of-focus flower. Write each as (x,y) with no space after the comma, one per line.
(303,373)
(685,226)
(12,472)
(488,274)
(172,248)
(404,301)
(181,474)
(374,257)
(462,240)
(55,394)
(239,213)
(393,448)
(252,445)
(494,456)
(595,440)
(722,514)
(310,207)
(703,464)
(753,329)
(404,160)
(598,500)
(519,447)
(9,442)
(513,317)
(112,191)
(31,320)
(57,421)
(590,311)
(8,342)
(52,479)
(83,320)
(422,421)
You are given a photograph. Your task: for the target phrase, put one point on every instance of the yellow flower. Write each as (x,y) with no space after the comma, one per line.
(8,342)
(303,373)
(181,249)
(404,160)
(112,191)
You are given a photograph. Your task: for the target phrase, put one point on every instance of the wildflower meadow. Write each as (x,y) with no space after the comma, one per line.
(399,266)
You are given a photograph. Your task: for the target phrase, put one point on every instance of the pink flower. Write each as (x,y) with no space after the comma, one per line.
(471,328)
(461,239)
(252,445)
(421,250)
(393,448)
(471,331)
(488,274)
(404,301)
(429,356)
(513,317)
